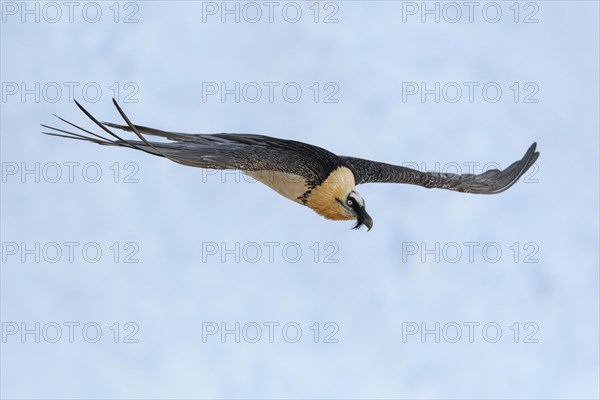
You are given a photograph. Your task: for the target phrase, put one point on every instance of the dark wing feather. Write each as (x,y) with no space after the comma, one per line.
(215,151)
(490,182)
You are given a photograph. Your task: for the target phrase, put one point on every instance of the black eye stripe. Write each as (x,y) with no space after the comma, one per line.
(353,206)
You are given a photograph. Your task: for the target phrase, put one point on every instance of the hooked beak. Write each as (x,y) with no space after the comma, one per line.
(363,219)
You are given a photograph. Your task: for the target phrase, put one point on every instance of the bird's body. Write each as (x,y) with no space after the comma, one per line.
(306,174)
(296,188)
(290,186)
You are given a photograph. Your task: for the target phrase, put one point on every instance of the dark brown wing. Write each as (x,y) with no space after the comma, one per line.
(215,151)
(490,182)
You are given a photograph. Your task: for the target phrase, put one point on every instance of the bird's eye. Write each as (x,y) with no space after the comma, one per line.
(349,202)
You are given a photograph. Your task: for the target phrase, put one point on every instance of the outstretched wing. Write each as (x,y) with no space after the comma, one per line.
(490,182)
(215,151)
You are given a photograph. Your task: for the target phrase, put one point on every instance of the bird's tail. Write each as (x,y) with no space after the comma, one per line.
(161,149)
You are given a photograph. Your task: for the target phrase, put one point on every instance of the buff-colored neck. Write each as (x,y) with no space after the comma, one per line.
(337,186)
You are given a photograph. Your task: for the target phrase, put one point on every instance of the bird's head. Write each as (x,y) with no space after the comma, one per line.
(337,199)
(354,206)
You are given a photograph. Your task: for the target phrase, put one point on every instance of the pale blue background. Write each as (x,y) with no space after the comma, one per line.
(371,291)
